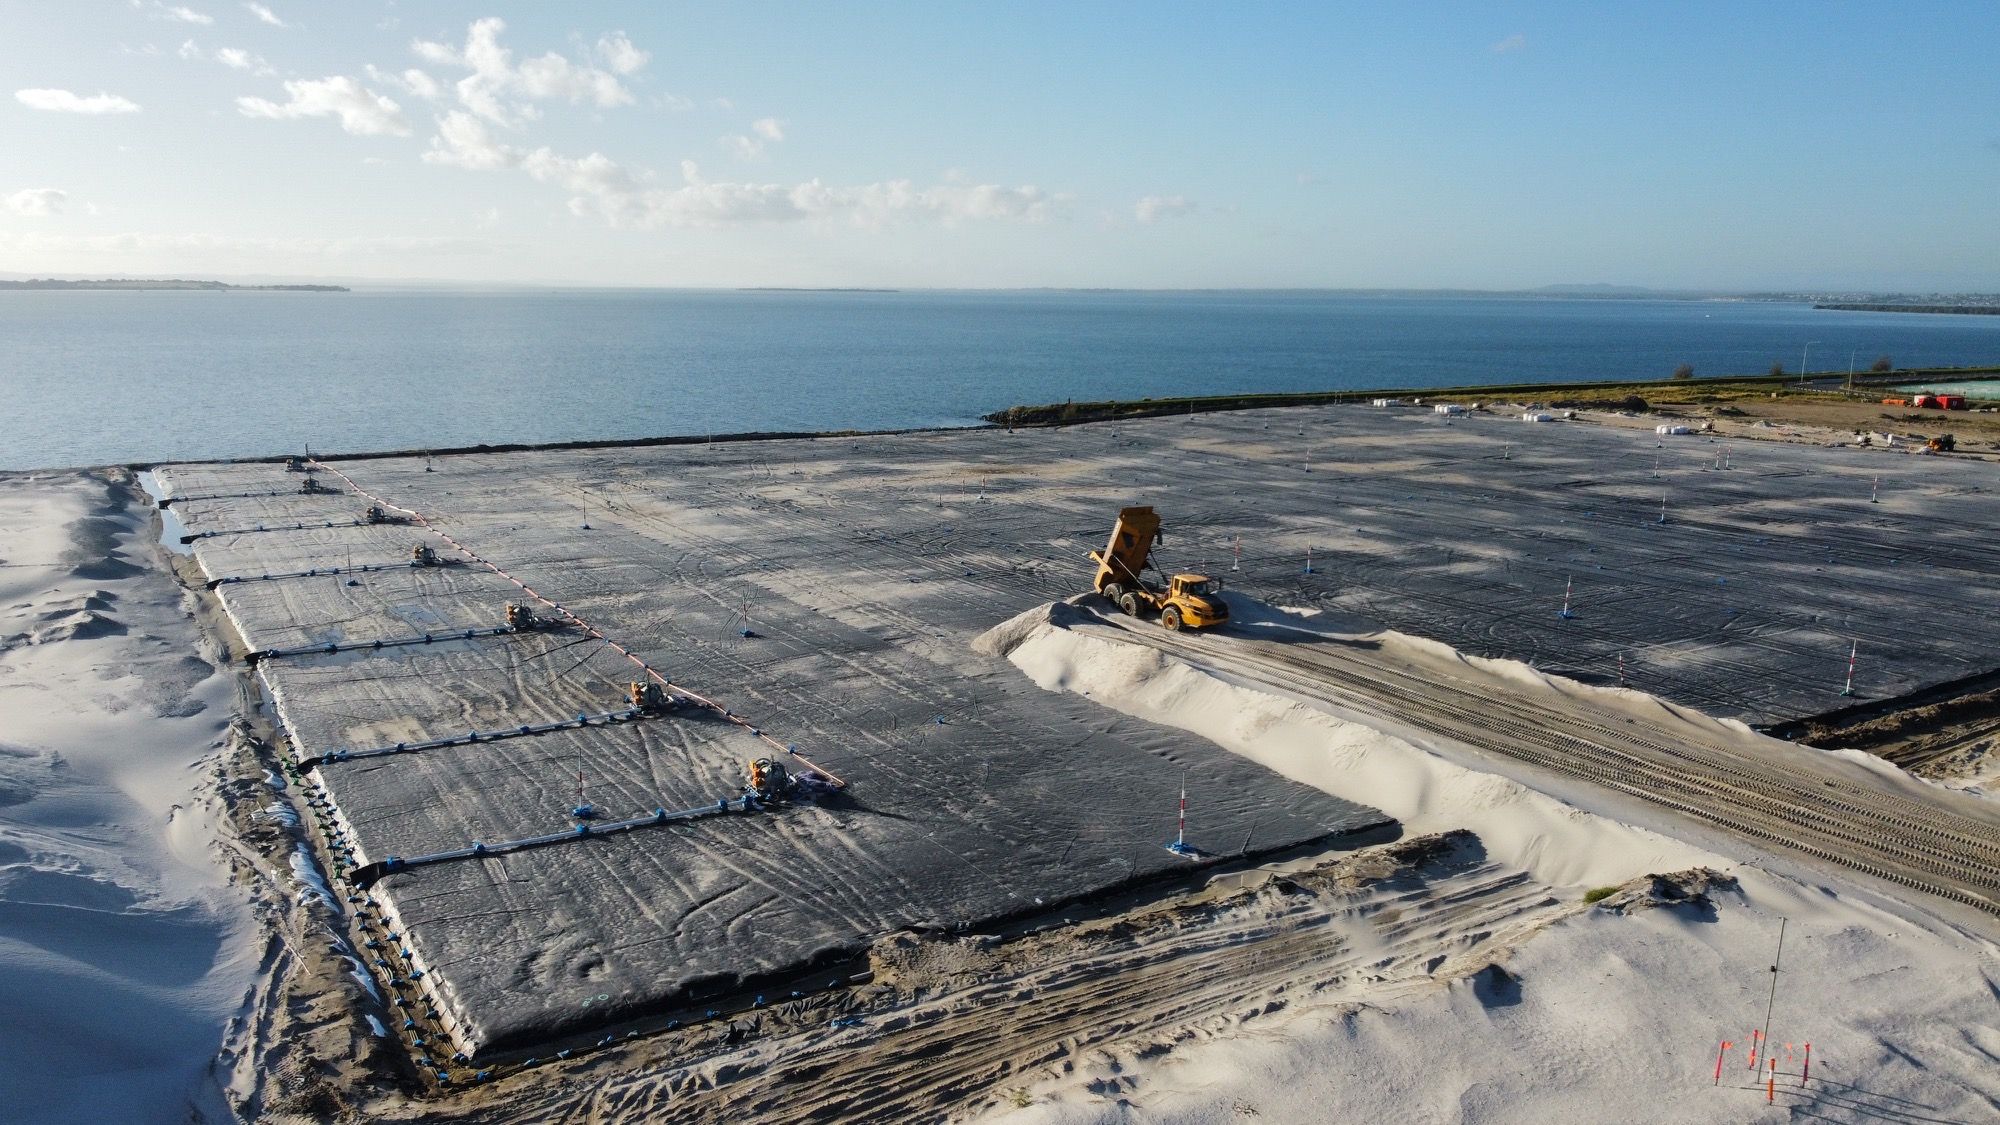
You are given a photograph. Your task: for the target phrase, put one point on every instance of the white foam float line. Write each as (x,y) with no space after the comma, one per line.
(419,519)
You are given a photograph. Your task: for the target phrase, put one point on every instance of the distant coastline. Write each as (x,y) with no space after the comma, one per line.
(812,289)
(168,283)
(1962,310)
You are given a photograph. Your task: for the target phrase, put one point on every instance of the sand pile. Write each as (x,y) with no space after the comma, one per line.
(1611,1014)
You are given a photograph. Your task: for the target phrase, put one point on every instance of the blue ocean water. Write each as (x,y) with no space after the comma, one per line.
(97,377)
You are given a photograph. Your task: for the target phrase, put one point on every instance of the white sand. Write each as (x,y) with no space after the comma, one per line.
(1617,1018)
(124,954)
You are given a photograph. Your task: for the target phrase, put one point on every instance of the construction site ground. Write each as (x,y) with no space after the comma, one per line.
(826,592)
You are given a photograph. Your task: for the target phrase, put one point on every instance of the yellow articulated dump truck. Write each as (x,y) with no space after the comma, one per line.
(1189,601)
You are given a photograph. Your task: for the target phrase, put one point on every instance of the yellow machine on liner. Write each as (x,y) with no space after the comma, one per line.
(1189,601)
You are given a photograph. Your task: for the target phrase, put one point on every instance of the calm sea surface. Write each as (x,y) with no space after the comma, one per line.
(97,377)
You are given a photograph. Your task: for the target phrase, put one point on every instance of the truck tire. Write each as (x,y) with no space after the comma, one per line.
(1170,619)
(1113,592)
(1129,602)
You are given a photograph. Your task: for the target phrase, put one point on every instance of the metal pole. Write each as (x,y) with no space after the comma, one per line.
(1772,1002)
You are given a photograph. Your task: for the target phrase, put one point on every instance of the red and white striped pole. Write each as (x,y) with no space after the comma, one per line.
(1309,558)
(1236,560)
(1568,585)
(1874,486)
(1621,669)
(1853,649)
(1720,1052)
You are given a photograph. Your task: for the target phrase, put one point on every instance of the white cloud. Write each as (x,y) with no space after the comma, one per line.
(184,15)
(421,84)
(1512,43)
(600,188)
(36,202)
(62,101)
(264,14)
(374,160)
(413,80)
(463,141)
(1153,208)
(235,58)
(620,55)
(750,146)
(500,91)
(361,111)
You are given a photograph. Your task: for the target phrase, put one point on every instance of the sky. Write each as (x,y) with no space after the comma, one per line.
(1842,146)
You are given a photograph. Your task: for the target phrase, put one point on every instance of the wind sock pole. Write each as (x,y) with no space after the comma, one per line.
(1180,845)
(1180,834)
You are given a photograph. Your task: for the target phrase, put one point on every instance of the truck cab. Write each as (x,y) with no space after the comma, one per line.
(1196,601)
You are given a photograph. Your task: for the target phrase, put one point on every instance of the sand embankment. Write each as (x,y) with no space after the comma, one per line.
(124,952)
(1604,1016)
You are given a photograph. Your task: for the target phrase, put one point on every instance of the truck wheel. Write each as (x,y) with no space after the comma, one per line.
(1129,602)
(1171,619)
(1113,592)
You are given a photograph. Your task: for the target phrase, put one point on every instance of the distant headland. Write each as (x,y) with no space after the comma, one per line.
(1895,306)
(168,283)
